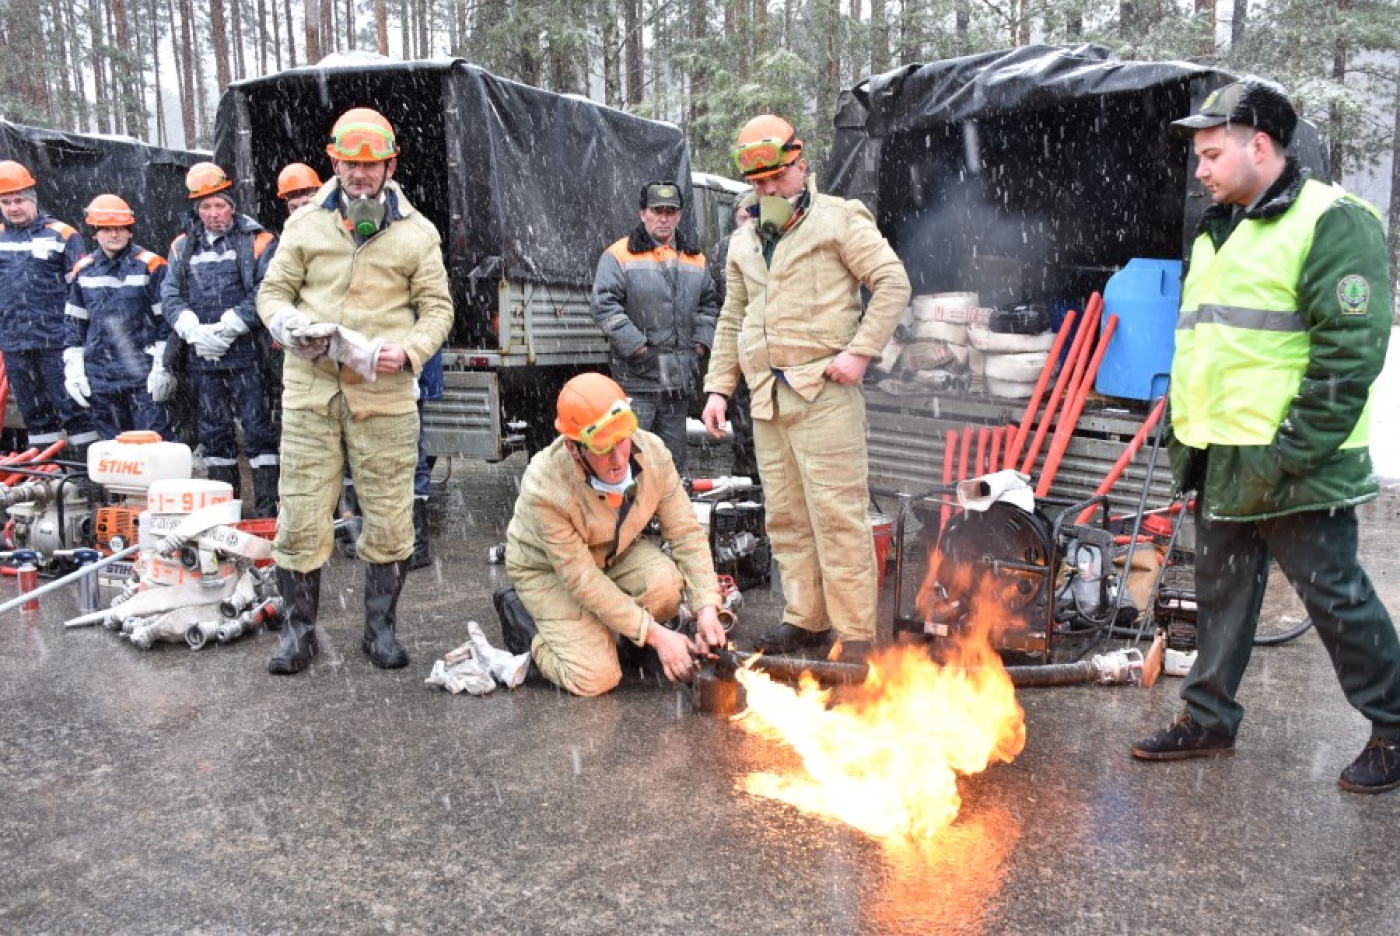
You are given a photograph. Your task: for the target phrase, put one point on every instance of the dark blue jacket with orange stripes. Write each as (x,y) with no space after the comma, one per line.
(34,265)
(211,277)
(114,315)
(646,296)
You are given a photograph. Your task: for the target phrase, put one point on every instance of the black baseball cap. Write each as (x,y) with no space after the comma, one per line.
(1249,103)
(662,195)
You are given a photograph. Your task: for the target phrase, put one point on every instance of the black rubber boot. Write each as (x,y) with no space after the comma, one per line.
(422,556)
(518,628)
(229,475)
(301,593)
(265,480)
(383,583)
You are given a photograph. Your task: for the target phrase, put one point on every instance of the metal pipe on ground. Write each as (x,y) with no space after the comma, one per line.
(717,692)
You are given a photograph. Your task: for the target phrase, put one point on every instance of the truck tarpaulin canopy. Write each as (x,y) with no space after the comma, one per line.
(73,167)
(519,181)
(1033,173)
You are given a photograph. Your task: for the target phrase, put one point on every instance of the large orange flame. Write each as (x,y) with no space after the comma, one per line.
(886,759)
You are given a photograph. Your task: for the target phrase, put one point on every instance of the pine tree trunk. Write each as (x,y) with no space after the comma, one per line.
(1339,74)
(381,27)
(153,12)
(631,22)
(58,40)
(201,104)
(219,30)
(240,58)
(879,38)
(612,54)
(327,31)
(1238,30)
(313,28)
(184,69)
(425,40)
(100,103)
(291,35)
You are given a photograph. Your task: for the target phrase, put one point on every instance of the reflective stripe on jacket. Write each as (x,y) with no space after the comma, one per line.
(1241,346)
(35,264)
(114,315)
(1248,360)
(659,298)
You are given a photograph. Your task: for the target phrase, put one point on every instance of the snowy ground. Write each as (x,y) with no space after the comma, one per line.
(1385,415)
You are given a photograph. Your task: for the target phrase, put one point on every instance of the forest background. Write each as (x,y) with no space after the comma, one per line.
(154,69)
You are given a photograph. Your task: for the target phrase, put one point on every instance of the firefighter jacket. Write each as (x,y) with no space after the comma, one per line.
(35,264)
(114,315)
(646,295)
(392,286)
(212,276)
(793,314)
(1285,319)
(564,527)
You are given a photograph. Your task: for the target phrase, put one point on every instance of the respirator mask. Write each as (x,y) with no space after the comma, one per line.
(366,215)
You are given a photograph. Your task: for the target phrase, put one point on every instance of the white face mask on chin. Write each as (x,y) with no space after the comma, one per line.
(623,488)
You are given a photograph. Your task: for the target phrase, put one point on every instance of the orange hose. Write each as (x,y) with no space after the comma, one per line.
(1013,446)
(981,461)
(1127,457)
(1082,339)
(966,454)
(1070,417)
(950,451)
(993,459)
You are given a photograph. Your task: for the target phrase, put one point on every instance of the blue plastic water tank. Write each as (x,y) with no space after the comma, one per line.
(1145,295)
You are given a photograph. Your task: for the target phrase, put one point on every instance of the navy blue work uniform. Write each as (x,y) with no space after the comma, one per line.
(114,315)
(211,274)
(35,262)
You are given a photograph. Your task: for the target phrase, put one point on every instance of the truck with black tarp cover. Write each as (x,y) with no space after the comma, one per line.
(1029,175)
(70,168)
(527,189)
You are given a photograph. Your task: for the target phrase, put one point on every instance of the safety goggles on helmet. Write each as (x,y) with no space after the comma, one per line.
(364,143)
(618,423)
(766,156)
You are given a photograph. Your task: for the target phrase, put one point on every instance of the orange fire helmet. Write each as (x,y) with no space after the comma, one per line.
(204,179)
(297,177)
(109,211)
(765,147)
(14,177)
(362,135)
(594,412)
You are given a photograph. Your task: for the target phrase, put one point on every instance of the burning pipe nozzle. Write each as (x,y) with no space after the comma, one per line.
(717,692)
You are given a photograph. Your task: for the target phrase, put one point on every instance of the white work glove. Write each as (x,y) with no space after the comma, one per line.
(75,377)
(160,383)
(233,326)
(185,325)
(210,342)
(289,328)
(356,351)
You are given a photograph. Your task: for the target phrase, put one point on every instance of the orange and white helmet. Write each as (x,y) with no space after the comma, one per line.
(109,211)
(362,135)
(14,178)
(296,177)
(765,147)
(594,412)
(205,179)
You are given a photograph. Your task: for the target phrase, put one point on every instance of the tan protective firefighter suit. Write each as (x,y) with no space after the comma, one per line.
(392,286)
(585,578)
(784,320)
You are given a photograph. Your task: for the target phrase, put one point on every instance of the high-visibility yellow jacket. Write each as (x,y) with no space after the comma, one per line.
(1284,323)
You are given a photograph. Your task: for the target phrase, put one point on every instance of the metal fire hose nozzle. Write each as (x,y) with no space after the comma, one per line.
(1118,667)
(685,619)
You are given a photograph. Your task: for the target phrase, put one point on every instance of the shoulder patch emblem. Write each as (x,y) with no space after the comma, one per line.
(1354,295)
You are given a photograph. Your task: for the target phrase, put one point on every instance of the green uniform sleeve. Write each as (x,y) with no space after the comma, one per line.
(1344,298)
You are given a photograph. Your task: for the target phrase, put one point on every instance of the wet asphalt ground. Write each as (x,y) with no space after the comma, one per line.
(174,791)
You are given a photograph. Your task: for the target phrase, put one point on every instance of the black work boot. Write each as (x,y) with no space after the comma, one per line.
(301,593)
(518,628)
(265,479)
(422,557)
(1375,770)
(1186,738)
(383,582)
(788,638)
(227,474)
